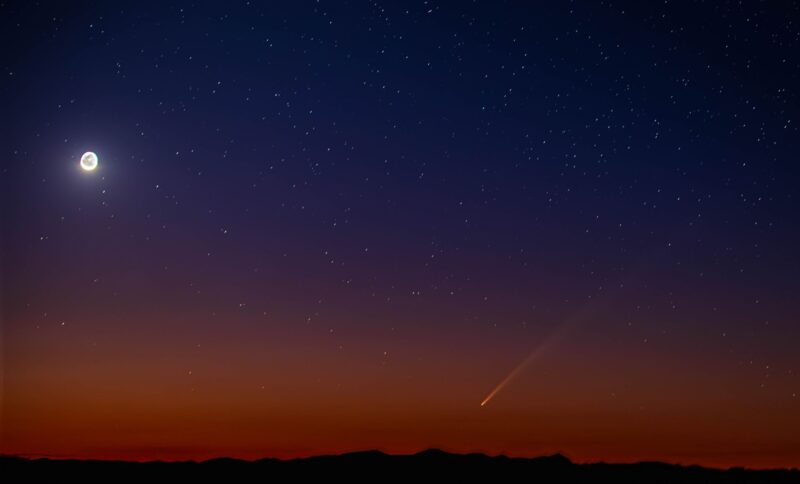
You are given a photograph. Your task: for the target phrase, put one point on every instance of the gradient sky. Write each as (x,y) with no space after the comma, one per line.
(329,226)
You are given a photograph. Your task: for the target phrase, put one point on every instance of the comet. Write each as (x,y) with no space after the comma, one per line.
(556,335)
(585,312)
(534,354)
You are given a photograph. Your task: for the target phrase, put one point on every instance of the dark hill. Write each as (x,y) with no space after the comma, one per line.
(373,466)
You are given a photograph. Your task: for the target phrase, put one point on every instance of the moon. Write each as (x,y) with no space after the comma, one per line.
(89,161)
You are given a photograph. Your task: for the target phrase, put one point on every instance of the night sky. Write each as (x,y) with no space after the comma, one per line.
(318,227)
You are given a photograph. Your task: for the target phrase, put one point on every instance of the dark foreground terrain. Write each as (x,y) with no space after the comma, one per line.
(431,465)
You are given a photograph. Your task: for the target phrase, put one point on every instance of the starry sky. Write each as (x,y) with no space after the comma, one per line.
(319,227)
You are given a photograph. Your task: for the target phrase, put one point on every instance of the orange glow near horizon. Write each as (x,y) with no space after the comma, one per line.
(249,400)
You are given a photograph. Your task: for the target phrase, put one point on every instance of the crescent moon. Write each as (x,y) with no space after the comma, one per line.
(89,161)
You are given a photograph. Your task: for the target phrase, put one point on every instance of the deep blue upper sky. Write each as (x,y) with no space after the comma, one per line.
(592,130)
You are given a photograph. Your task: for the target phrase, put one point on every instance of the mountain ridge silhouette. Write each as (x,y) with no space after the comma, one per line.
(375,465)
